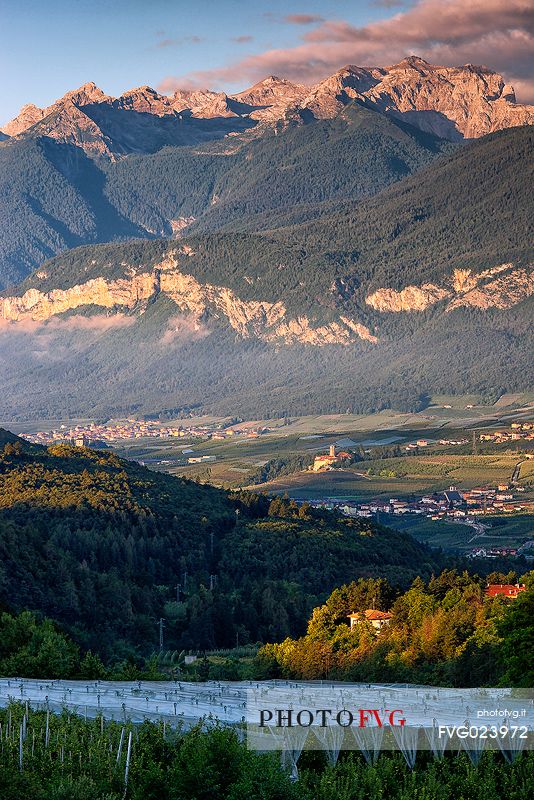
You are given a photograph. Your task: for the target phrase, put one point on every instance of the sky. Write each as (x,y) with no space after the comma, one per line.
(48,47)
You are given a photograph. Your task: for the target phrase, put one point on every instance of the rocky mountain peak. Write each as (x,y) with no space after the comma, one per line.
(217,106)
(451,102)
(191,99)
(410,62)
(271,97)
(508,93)
(202,103)
(328,97)
(145,99)
(27,116)
(86,94)
(66,122)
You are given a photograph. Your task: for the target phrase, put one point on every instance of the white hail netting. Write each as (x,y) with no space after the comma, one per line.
(511,747)
(473,746)
(437,743)
(369,743)
(182,704)
(331,740)
(407,740)
(292,748)
(173,701)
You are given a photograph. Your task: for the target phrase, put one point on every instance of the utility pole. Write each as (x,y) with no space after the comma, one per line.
(161,625)
(178,590)
(475,450)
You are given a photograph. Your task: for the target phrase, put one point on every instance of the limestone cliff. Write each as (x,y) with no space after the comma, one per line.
(499,287)
(264,320)
(411,298)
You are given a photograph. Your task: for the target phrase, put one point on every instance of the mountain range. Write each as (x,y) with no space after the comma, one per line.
(65,178)
(284,249)
(451,102)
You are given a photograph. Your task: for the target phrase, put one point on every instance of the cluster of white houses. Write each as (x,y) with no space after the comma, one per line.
(93,433)
(451,503)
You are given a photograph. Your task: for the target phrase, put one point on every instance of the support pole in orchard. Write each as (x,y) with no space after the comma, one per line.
(119,751)
(127,767)
(21,739)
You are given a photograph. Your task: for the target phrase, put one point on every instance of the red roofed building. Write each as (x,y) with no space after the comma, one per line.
(509,590)
(377,618)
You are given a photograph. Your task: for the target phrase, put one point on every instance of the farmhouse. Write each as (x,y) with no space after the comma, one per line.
(507,590)
(377,618)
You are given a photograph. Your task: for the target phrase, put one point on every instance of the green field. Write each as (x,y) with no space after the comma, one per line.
(410,475)
(500,531)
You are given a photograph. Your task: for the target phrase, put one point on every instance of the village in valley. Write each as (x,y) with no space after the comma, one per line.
(92,434)
(464,483)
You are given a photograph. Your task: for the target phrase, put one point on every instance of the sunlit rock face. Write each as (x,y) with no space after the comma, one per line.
(500,287)
(258,319)
(454,103)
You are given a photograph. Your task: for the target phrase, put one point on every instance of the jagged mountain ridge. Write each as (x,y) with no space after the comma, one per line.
(74,173)
(451,102)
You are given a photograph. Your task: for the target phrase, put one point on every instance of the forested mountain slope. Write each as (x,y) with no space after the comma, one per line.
(472,209)
(352,156)
(51,199)
(455,214)
(358,310)
(55,196)
(100,544)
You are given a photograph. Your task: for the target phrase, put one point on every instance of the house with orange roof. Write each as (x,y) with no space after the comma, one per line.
(378,619)
(508,590)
